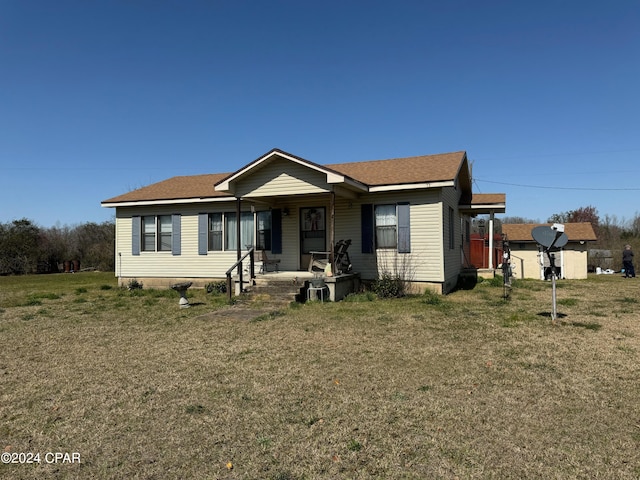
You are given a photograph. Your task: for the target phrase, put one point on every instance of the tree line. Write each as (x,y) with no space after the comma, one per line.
(27,248)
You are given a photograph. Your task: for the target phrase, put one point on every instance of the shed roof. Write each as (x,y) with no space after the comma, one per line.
(485,198)
(521,232)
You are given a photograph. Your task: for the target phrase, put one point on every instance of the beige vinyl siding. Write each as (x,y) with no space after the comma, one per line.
(164,264)
(282,177)
(424,263)
(452,256)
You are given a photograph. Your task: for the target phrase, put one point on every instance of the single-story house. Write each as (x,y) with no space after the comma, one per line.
(407,216)
(529,260)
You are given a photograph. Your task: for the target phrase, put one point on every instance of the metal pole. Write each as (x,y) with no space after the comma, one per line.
(552,261)
(554,314)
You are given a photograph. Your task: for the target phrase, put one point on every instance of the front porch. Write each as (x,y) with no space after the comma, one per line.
(337,287)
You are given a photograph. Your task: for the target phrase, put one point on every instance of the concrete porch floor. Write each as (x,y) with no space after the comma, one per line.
(338,287)
(286,275)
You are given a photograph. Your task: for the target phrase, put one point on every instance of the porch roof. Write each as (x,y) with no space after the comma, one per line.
(482,203)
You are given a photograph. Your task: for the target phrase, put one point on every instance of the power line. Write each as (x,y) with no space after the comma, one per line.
(559,188)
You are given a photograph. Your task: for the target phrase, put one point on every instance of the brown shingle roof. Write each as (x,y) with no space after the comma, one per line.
(397,171)
(485,198)
(193,186)
(521,232)
(425,168)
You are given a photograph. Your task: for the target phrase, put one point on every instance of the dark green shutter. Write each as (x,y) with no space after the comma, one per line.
(203,233)
(366,223)
(404,228)
(276,230)
(176,235)
(135,234)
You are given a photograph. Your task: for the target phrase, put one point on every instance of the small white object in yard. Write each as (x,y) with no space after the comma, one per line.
(181,288)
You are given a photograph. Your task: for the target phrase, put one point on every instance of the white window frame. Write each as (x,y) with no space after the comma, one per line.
(386,227)
(154,230)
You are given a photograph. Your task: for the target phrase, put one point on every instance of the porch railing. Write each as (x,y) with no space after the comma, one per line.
(238,265)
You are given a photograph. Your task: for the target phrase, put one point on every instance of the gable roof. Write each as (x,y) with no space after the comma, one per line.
(521,232)
(376,175)
(332,176)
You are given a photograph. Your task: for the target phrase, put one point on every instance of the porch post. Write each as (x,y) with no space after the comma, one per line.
(332,229)
(238,229)
(491,239)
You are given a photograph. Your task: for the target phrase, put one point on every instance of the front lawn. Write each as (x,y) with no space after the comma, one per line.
(464,386)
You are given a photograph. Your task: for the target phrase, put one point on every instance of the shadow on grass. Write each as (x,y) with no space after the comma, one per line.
(588,326)
(197,304)
(549,314)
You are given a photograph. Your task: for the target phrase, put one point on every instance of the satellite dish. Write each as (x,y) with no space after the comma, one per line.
(549,237)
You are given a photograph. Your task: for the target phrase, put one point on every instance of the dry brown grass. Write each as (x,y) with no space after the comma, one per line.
(463,386)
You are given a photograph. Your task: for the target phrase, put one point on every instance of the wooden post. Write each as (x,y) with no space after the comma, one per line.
(332,230)
(239,246)
(238,229)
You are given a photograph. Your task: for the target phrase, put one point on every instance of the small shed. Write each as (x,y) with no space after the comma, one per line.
(529,261)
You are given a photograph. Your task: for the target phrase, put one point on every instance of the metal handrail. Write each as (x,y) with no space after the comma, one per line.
(238,265)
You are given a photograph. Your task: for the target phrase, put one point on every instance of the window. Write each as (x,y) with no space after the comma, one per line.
(218,231)
(246,230)
(149,234)
(386,226)
(214,231)
(164,233)
(452,226)
(263,230)
(156,233)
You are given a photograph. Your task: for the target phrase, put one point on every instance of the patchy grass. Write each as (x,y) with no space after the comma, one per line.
(468,385)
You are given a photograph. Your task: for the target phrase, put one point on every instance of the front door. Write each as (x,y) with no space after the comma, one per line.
(313,233)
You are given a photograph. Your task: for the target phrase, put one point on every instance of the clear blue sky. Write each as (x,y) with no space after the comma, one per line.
(98,98)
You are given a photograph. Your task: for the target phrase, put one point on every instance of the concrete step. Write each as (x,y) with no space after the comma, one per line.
(284,291)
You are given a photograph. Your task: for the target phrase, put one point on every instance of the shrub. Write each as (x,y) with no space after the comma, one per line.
(217,287)
(431,298)
(389,286)
(134,284)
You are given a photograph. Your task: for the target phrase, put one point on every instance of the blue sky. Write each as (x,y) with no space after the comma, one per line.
(98,98)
